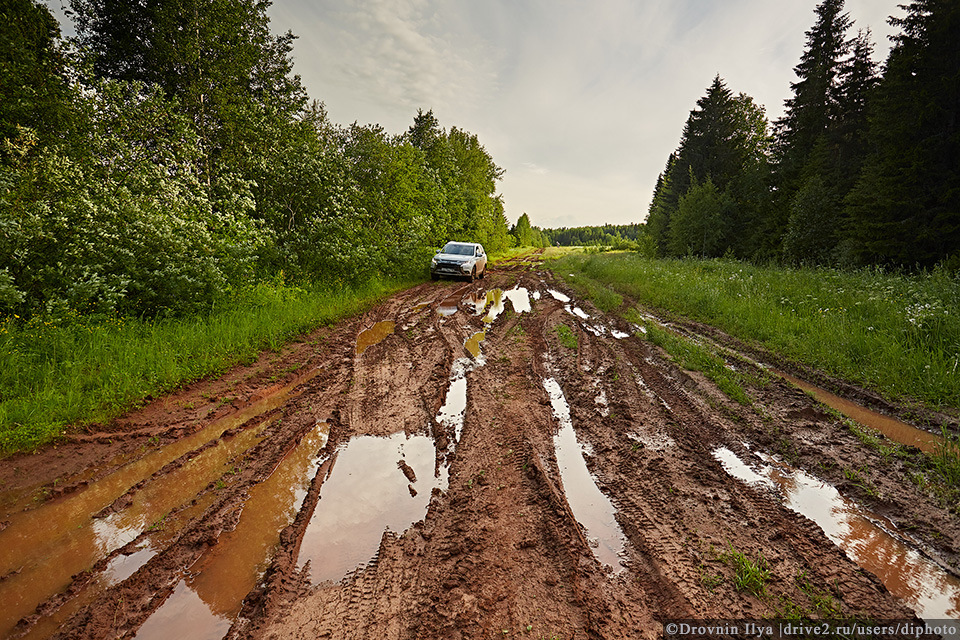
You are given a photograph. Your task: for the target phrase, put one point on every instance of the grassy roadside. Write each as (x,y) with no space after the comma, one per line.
(85,370)
(894,333)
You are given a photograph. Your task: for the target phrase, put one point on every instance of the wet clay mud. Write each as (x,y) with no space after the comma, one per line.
(890,427)
(443,466)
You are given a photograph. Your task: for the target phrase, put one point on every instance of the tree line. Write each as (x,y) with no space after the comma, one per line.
(863,168)
(168,155)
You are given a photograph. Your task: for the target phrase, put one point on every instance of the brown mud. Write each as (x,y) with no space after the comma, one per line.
(451,465)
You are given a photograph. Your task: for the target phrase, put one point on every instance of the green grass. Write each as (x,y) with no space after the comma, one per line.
(694,357)
(749,576)
(86,370)
(898,334)
(566,337)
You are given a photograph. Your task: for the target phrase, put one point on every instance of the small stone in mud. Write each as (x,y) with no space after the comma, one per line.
(413,492)
(407,471)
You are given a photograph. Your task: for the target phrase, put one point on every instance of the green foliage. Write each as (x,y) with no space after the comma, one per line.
(699,226)
(194,168)
(124,224)
(812,233)
(861,169)
(35,93)
(715,181)
(905,209)
(566,337)
(83,369)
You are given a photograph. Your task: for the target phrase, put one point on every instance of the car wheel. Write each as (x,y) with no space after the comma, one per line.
(483,274)
(434,277)
(473,274)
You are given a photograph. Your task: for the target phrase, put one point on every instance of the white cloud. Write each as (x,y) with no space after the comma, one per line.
(580,102)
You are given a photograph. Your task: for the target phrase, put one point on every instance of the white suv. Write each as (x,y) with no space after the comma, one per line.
(459,260)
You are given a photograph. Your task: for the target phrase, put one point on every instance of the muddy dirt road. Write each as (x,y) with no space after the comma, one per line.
(467,460)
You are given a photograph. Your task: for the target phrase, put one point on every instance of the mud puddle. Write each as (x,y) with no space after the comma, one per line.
(207,600)
(52,554)
(590,506)
(562,297)
(448,306)
(496,299)
(455,403)
(472,344)
(894,429)
(867,539)
(374,335)
(366,491)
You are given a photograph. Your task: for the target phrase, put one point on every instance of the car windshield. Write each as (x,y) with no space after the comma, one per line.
(459,249)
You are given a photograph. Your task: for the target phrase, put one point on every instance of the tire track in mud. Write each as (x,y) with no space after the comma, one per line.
(497,549)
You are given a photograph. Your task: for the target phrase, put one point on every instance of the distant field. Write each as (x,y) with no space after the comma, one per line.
(898,334)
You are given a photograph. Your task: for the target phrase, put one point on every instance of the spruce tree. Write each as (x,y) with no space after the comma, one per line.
(905,209)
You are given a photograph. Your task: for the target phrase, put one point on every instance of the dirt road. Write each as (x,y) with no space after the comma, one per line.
(467,460)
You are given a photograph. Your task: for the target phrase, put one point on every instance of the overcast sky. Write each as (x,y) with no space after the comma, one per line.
(580,102)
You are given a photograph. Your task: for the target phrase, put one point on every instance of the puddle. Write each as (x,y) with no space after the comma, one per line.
(364,494)
(894,429)
(455,404)
(619,335)
(184,615)
(449,306)
(472,345)
(577,311)
(48,557)
(213,593)
(590,506)
(865,538)
(373,335)
(519,297)
(118,570)
(558,296)
(496,299)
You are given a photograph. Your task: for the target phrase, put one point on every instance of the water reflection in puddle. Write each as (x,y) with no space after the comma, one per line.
(118,570)
(449,306)
(184,615)
(455,404)
(210,598)
(590,506)
(364,494)
(577,311)
(865,538)
(472,345)
(47,556)
(374,335)
(519,298)
(894,429)
(558,296)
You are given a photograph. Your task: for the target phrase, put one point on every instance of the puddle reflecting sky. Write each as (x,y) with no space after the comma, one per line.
(590,506)
(63,539)
(206,603)
(865,538)
(364,494)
